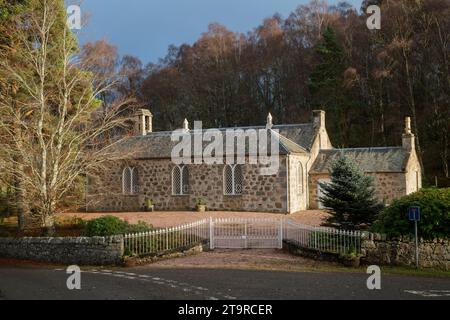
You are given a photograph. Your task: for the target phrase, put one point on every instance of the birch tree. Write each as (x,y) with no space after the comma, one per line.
(54,133)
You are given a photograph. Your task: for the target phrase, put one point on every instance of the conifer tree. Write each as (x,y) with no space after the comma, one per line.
(326,79)
(350,196)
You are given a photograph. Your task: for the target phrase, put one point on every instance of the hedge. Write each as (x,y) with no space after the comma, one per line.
(435,215)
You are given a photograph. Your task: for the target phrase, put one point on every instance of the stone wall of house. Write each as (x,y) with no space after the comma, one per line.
(432,254)
(313,189)
(389,186)
(82,251)
(259,192)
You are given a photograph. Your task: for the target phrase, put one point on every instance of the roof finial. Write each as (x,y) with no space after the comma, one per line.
(186,125)
(269,121)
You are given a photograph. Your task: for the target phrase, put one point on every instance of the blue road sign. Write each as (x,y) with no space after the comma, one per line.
(414,214)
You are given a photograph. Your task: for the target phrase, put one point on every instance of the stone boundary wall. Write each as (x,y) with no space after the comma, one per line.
(297,250)
(176,253)
(376,249)
(81,251)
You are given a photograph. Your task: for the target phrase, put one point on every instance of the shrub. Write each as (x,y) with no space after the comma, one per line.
(109,226)
(141,226)
(74,222)
(435,215)
(105,226)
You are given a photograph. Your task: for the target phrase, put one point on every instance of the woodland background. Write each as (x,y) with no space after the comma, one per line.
(320,56)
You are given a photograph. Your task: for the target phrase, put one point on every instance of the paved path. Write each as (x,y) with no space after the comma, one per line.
(169,219)
(208,284)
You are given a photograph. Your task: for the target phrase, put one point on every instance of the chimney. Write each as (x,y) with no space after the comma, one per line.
(144,122)
(186,125)
(409,140)
(319,119)
(269,124)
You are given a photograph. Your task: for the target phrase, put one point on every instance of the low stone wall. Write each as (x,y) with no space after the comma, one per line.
(377,250)
(81,251)
(432,254)
(295,249)
(178,253)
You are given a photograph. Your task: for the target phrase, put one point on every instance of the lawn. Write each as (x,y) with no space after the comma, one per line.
(65,227)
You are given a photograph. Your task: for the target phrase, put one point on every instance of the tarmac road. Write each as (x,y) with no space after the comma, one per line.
(142,283)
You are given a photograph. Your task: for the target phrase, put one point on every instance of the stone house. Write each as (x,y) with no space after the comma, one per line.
(305,155)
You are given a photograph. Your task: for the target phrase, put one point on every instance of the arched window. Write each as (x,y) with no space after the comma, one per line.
(300,178)
(180,180)
(232,180)
(130,180)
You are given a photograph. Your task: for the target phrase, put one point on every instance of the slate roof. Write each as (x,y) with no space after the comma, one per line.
(389,159)
(158,145)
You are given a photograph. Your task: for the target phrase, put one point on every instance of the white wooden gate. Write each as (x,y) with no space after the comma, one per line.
(241,233)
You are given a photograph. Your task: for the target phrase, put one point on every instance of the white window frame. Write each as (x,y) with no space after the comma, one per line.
(234,192)
(133,187)
(300,179)
(183,169)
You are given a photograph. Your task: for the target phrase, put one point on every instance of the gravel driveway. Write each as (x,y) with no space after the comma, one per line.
(168,219)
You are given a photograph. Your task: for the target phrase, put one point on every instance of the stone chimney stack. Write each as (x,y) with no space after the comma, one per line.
(186,125)
(319,119)
(409,140)
(144,122)
(269,124)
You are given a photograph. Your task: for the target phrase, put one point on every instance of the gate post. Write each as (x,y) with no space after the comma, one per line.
(211,233)
(281,233)
(245,235)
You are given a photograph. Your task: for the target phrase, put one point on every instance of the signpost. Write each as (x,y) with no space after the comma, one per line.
(414,215)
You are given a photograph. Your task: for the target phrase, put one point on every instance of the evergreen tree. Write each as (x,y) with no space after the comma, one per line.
(350,196)
(326,85)
(325,81)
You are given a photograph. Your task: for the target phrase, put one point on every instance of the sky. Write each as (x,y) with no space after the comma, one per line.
(146,28)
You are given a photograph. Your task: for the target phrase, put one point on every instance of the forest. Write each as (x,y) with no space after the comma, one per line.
(62,105)
(319,56)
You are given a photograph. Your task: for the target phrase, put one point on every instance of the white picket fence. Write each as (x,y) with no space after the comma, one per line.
(240,233)
(322,239)
(169,239)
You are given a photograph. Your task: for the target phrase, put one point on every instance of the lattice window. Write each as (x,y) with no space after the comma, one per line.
(185,180)
(130,180)
(238,179)
(134,181)
(180,181)
(228,180)
(232,180)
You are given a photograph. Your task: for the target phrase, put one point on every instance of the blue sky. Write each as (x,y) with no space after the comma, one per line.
(145,28)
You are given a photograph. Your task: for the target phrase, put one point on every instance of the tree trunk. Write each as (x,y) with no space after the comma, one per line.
(48,224)
(21,209)
(413,110)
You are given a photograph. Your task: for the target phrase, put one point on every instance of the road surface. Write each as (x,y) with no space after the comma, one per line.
(42,282)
